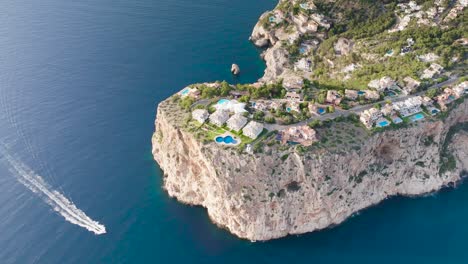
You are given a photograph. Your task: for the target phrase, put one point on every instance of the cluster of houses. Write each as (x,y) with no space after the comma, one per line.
(230,113)
(335,98)
(411,107)
(408,86)
(376,117)
(451,94)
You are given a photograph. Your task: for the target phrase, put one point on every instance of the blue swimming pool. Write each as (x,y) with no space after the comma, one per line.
(383,123)
(226,140)
(361,93)
(288,109)
(321,111)
(417,117)
(223,101)
(185,91)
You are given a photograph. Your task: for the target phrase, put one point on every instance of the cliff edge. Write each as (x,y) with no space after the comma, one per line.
(275,193)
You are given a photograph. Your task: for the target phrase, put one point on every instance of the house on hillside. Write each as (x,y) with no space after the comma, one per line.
(333,97)
(432,72)
(411,85)
(236,122)
(303,135)
(371,95)
(200,115)
(382,84)
(351,94)
(219,117)
(252,129)
(370,116)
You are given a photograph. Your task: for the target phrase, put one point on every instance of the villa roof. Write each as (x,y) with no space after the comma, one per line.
(236,122)
(253,129)
(220,116)
(200,114)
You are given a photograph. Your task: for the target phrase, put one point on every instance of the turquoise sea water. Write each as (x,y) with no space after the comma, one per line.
(79,83)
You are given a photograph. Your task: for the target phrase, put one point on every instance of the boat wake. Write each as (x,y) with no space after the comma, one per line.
(55,199)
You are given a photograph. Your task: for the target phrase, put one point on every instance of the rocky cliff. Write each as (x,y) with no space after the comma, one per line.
(273,194)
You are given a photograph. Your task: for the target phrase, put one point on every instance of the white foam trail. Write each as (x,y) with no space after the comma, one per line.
(52,197)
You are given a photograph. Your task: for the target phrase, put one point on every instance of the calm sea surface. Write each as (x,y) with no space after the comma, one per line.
(79,85)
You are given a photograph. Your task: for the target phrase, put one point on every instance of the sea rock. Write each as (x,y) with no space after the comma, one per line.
(235,69)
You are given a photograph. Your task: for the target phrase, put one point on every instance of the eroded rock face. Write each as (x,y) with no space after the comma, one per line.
(262,197)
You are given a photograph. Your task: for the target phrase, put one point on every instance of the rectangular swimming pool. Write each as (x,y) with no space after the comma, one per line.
(417,117)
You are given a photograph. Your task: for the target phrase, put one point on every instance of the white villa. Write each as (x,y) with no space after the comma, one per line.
(237,122)
(219,117)
(433,70)
(253,129)
(333,97)
(409,107)
(461,89)
(232,106)
(370,116)
(264,105)
(382,84)
(410,85)
(201,115)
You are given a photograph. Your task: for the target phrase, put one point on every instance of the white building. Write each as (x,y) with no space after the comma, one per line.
(219,117)
(201,115)
(236,122)
(232,106)
(370,116)
(253,129)
(431,72)
(461,89)
(382,84)
(409,107)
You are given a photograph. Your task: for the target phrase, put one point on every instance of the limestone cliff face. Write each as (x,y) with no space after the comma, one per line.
(262,196)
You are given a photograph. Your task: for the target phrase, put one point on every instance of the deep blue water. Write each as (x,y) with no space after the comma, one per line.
(79,84)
